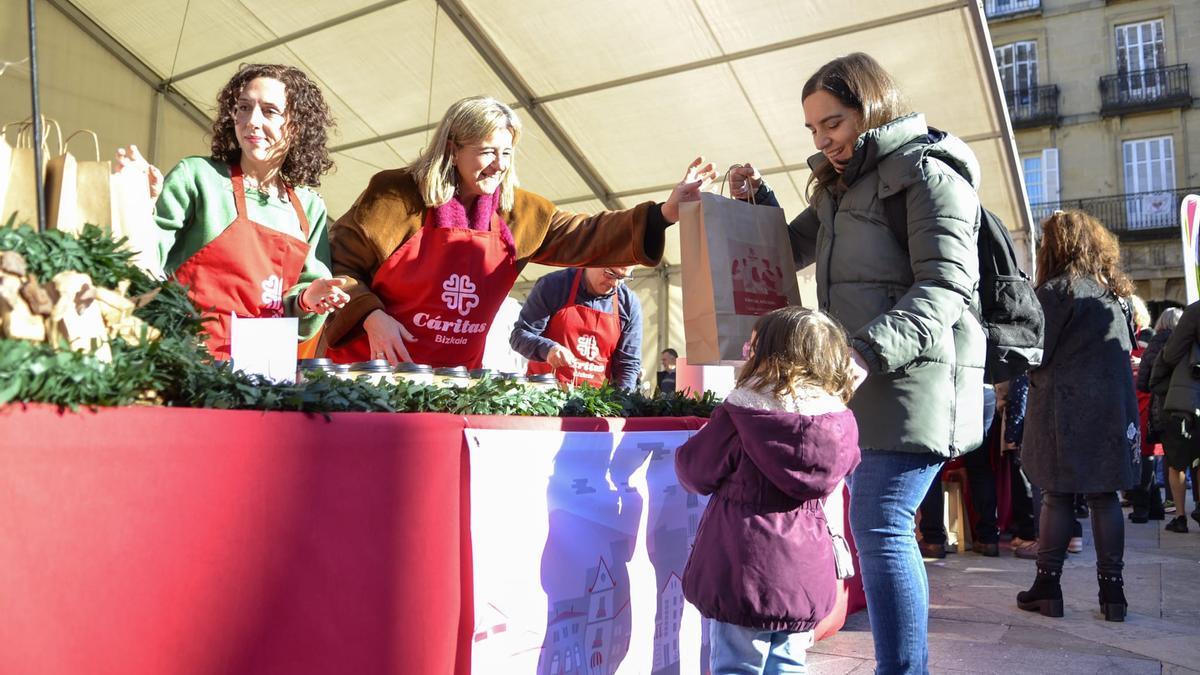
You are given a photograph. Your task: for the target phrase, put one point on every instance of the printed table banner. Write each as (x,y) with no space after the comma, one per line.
(579,541)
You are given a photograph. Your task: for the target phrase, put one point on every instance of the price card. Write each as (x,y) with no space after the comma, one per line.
(265,347)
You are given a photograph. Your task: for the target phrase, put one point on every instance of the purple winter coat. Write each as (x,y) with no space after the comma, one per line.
(763,557)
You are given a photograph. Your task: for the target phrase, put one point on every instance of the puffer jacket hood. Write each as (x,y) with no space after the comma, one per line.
(904,142)
(803,456)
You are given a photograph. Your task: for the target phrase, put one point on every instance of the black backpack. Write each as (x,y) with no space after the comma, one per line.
(1010,312)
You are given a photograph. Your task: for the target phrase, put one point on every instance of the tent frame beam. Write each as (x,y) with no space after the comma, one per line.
(282,40)
(953,5)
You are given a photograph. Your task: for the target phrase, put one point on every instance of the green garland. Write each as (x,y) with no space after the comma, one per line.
(176,370)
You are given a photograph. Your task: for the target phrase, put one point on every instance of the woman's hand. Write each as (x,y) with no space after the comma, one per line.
(858,368)
(559,357)
(744,181)
(387,337)
(698,176)
(130,158)
(323,296)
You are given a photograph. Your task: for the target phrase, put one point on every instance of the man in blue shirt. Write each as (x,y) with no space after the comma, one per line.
(584,325)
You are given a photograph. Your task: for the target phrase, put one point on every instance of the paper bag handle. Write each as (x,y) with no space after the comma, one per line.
(46,124)
(726,177)
(95,140)
(25,134)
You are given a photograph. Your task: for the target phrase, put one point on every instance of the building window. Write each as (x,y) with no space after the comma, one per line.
(1140,48)
(1017,63)
(1040,172)
(1149,181)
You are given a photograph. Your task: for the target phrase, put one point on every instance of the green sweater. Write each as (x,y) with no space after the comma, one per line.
(196,205)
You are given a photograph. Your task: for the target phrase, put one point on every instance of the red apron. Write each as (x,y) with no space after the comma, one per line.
(589,334)
(245,270)
(445,284)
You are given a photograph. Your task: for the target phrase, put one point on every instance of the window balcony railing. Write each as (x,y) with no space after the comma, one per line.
(1136,215)
(1033,107)
(1004,9)
(1141,90)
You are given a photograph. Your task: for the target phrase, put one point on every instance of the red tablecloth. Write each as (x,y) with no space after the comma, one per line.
(155,540)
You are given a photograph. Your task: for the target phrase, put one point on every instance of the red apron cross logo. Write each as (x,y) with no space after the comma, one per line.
(459,293)
(272,293)
(586,347)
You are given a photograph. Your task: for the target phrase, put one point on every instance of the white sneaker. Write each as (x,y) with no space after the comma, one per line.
(1075,545)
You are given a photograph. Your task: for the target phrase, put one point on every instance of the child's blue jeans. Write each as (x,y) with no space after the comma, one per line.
(737,650)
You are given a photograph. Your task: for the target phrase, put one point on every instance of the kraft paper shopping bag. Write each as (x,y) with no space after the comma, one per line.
(92,201)
(61,188)
(133,218)
(737,265)
(21,196)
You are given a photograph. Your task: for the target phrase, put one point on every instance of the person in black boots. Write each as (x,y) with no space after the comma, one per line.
(1026,498)
(982,482)
(1146,498)
(1176,376)
(1081,421)
(981,477)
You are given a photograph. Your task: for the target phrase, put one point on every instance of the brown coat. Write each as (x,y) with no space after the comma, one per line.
(391,210)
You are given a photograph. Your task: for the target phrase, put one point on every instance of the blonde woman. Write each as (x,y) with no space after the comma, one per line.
(431,250)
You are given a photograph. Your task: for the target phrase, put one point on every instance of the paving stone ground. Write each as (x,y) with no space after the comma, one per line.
(976,627)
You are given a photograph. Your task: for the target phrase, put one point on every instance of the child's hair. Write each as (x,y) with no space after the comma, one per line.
(794,346)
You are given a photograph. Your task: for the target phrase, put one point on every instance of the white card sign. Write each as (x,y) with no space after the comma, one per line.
(264,347)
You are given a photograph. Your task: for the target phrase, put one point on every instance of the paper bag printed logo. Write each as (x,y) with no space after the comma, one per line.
(272,295)
(586,347)
(757,280)
(458,292)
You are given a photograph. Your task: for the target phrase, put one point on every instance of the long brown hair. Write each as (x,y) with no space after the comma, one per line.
(308,123)
(794,346)
(1078,246)
(859,83)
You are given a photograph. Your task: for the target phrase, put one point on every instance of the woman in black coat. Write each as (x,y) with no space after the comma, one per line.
(1174,376)
(1081,424)
(1146,498)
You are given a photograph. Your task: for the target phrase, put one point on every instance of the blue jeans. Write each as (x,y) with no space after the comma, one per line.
(885,491)
(737,650)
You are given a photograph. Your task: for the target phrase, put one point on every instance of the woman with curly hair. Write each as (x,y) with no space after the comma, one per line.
(1081,421)
(242,228)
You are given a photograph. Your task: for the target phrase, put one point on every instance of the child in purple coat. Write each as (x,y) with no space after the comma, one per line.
(762,567)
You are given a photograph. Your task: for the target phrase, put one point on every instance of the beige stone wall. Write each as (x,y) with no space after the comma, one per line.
(1076,47)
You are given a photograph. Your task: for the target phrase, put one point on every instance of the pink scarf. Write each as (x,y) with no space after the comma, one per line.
(453,214)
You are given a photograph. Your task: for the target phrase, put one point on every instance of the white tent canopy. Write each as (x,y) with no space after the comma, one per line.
(617,97)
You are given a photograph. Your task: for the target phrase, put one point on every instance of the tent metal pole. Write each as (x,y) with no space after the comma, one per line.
(155,113)
(37,117)
(664,300)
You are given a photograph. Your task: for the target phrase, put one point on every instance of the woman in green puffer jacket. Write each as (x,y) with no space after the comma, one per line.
(907,308)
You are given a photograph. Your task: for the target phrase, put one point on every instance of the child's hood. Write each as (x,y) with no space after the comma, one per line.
(799,453)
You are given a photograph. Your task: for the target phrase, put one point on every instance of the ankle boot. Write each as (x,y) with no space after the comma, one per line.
(1044,596)
(1112,596)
